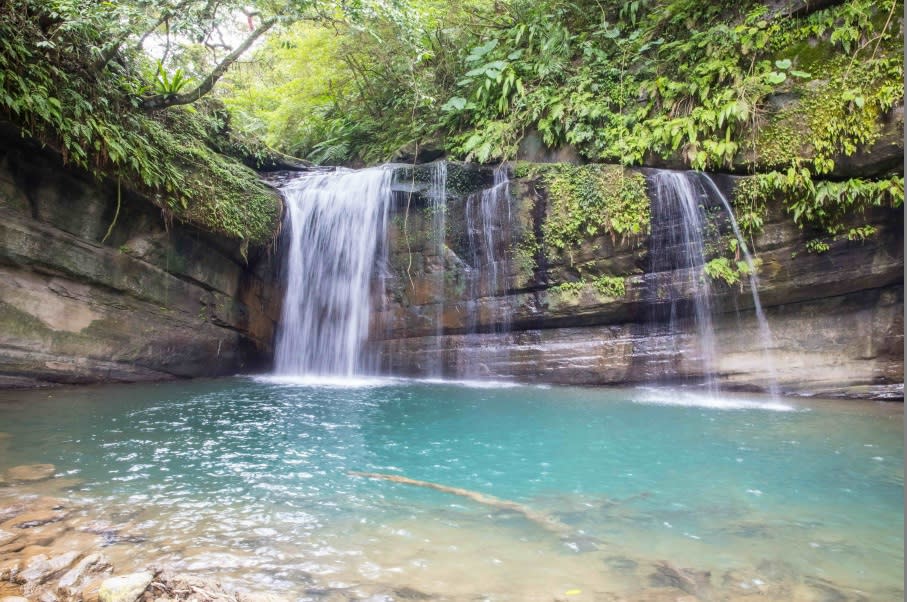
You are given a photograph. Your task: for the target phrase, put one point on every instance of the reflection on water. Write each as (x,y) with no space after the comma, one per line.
(249,480)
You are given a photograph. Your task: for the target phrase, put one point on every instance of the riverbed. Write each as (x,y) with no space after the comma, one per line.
(542,493)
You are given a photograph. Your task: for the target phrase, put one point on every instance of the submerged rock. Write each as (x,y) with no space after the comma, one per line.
(88,566)
(37,518)
(126,588)
(41,569)
(11,511)
(408,593)
(689,580)
(31,472)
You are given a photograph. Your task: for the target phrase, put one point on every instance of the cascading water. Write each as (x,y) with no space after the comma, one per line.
(677,249)
(488,226)
(337,223)
(437,198)
(765,333)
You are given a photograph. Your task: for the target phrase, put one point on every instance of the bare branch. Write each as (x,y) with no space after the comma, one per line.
(114,47)
(161,101)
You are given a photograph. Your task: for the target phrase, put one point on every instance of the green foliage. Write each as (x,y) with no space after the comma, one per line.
(730,271)
(621,82)
(721,268)
(750,205)
(345,92)
(168,85)
(93,119)
(588,200)
(611,286)
(568,289)
(606,285)
(823,204)
(836,116)
(817,245)
(673,79)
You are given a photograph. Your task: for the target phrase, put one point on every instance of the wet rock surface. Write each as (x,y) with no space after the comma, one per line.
(65,560)
(145,301)
(447,310)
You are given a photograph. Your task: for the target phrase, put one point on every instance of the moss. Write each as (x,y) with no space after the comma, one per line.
(834,115)
(525,257)
(589,200)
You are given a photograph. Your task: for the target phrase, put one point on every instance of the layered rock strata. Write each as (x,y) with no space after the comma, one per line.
(97,286)
(836,316)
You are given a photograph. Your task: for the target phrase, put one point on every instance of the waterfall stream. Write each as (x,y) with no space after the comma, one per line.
(488,230)
(437,198)
(337,223)
(680,240)
(677,248)
(765,333)
(338,240)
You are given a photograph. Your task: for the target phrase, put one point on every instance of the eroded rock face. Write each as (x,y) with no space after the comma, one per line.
(836,317)
(153,301)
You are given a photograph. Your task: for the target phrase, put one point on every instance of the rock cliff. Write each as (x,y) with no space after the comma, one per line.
(97,286)
(484,295)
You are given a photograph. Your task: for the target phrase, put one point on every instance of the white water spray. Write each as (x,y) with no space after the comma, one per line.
(337,221)
(765,333)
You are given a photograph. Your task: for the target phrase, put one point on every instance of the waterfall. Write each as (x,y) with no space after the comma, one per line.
(488,229)
(337,222)
(765,333)
(437,198)
(680,240)
(677,249)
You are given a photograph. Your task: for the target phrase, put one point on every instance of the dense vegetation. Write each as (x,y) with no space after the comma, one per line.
(157,94)
(74,76)
(767,88)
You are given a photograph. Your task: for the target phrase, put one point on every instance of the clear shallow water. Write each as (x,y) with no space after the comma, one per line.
(248,479)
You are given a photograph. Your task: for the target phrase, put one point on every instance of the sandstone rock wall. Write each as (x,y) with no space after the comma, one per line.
(836,317)
(153,301)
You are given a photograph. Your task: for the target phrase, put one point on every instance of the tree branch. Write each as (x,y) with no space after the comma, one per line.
(161,101)
(165,14)
(111,50)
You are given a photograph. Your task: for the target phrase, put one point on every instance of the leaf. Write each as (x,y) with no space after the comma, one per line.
(800,74)
(478,52)
(457,103)
(783,64)
(859,101)
(775,77)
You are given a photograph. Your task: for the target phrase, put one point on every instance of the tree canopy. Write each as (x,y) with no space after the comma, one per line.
(159,93)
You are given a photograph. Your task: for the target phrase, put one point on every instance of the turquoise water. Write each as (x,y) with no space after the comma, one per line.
(248,480)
